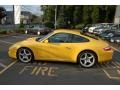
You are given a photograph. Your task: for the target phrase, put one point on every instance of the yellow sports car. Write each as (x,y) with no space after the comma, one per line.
(63,45)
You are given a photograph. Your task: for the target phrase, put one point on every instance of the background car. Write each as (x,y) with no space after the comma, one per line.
(115,38)
(98,31)
(99,26)
(86,28)
(64,46)
(106,34)
(38,30)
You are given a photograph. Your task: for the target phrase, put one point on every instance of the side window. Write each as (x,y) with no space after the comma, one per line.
(59,38)
(78,39)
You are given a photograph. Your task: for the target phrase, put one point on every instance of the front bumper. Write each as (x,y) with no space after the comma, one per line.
(12,52)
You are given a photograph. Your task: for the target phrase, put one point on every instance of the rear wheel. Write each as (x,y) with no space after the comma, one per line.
(25,55)
(87,59)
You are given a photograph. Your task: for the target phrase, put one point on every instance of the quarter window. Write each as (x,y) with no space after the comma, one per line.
(78,39)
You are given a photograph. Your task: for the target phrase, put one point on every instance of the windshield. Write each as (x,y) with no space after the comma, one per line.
(42,38)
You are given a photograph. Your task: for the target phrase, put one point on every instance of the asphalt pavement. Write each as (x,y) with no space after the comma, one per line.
(13,72)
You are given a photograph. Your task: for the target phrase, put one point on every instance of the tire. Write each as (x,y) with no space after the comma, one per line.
(87,59)
(25,55)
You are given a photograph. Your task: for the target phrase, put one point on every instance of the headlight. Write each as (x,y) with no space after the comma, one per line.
(111,40)
(118,41)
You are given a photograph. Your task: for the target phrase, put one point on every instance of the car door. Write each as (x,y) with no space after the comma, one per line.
(58,47)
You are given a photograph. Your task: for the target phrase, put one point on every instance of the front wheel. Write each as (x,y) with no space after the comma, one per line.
(25,55)
(87,59)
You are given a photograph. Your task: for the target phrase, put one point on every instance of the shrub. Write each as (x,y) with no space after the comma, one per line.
(49,24)
(79,26)
(20,30)
(21,25)
(3,31)
(6,31)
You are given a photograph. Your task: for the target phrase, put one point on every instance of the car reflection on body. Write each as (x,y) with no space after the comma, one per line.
(65,46)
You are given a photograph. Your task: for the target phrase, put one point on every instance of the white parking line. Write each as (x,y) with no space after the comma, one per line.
(2,71)
(17,37)
(117,66)
(6,42)
(109,76)
(4,66)
(115,49)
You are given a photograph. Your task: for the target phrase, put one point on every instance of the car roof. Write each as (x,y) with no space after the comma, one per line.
(68,31)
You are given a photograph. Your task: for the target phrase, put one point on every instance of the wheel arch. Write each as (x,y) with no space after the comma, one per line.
(88,50)
(25,48)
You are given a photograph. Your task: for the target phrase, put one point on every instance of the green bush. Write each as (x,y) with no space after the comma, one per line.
(3,31)
(21,25)
(6,31)
(20,30)
(49,24)
(79,26)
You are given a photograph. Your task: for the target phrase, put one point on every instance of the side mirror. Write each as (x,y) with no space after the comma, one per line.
(46,41)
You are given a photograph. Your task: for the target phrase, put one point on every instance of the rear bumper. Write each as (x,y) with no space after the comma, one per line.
(105,56)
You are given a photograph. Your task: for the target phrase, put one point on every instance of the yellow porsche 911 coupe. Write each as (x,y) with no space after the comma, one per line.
(63,45)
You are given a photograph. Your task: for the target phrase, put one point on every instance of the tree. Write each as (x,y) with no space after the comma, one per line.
(35,19)
(78,15)
(87,14)
(48,14)
(61,19)
(95,14)
(2,13)
(65,16)
(102,13)
(110,12)
(68,16)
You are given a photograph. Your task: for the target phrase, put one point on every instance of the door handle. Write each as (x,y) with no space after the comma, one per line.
(68,47)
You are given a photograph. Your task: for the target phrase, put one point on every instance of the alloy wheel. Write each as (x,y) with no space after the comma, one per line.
(87,59)
(24,55)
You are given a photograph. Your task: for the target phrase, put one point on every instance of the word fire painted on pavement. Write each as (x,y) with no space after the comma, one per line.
(40,70)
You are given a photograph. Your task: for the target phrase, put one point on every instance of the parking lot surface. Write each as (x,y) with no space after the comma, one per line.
(14,72)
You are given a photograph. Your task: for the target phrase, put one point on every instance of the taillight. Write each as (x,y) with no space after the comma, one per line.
(108,48)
